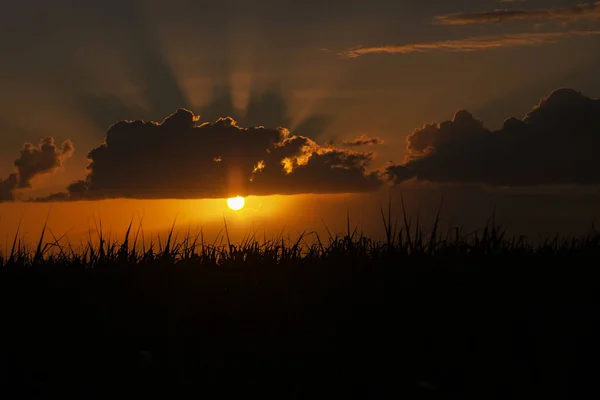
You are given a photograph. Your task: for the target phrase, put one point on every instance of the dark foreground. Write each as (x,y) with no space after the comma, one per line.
(488,321)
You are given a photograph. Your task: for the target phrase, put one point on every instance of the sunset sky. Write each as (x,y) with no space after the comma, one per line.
(459,98)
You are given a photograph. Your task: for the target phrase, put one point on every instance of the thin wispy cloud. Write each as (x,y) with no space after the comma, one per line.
(479,43)
(573,13)
(363,140)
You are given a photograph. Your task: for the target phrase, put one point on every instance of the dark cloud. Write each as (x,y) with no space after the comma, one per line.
(305,167)
(184,158)
(34,161)
(576,12)
(558,142)
(46,157)
(363,140)
(424,140)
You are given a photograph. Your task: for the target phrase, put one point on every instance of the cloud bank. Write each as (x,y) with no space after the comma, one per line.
(184,158)
(478,43)
(558,142)
(32,162)
(573,13)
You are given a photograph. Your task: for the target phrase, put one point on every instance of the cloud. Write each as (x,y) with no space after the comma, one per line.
(32,162)
(576,12)
(478,43)
(363,140)
(558,142)
(306,167)
(184,158)
(424,140)
(41,159)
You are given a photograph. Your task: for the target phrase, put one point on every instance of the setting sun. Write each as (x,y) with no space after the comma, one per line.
(236,203)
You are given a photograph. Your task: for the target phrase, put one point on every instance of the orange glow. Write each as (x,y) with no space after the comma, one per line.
(268,216)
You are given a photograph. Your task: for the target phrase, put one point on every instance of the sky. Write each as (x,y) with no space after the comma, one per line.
(313,108)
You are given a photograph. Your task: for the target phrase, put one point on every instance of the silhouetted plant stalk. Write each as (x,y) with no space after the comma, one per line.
(401,244)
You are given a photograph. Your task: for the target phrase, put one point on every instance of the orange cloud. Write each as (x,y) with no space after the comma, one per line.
(577,12)
(479,43)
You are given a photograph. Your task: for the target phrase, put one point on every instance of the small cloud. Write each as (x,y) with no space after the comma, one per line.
(40,159)
(32,162)
(363,140)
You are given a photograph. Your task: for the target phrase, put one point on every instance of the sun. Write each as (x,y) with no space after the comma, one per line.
(236,203)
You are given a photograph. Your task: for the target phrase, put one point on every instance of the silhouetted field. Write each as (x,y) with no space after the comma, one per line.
(417,316)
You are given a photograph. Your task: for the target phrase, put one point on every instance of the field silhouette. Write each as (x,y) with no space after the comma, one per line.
(422,314)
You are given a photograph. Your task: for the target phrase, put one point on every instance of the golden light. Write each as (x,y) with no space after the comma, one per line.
(236,203)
